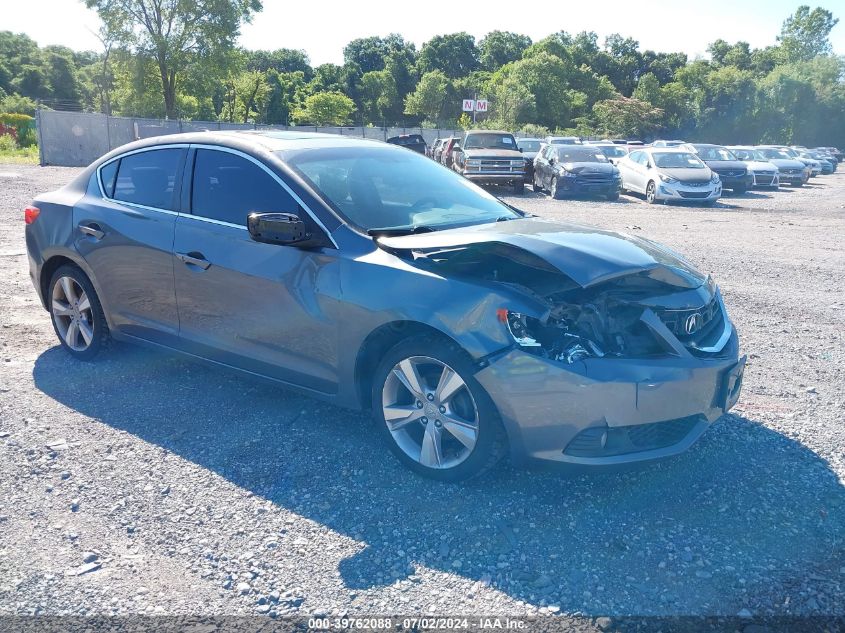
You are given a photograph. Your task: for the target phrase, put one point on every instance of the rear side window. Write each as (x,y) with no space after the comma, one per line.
(148,178)
(108,174)
(228,187)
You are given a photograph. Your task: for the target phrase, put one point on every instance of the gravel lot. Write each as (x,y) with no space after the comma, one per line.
(149,484)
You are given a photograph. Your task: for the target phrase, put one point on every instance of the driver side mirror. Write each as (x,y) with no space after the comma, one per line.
(456,147)
(277,228)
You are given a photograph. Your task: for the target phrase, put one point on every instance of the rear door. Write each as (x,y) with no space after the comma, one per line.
(255,306)
(126,237)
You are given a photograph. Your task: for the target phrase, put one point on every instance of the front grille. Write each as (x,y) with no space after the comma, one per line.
(694,194)
(793,172)
(675,320)
(604,441)
(594,177)
(764,180)
(696,184)
(494,166)
(730,174)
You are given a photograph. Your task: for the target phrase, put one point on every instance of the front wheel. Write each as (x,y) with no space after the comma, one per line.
(436,418)
(554,191)
(76,313)
(535,186)
(651,193)
(613,197)
(519,187)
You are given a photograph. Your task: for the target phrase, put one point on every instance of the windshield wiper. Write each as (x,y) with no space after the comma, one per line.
(400,230)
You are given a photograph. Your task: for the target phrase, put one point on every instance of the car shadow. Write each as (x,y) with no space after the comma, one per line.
(710,531)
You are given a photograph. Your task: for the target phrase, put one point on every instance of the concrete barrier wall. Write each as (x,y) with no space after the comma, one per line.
(75,139)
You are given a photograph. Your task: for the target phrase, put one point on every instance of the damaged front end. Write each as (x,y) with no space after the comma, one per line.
(622,356)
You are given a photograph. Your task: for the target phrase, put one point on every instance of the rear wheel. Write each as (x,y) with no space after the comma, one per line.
(76,313)
(519,187)
(651,192)
(535,186)
(436,418)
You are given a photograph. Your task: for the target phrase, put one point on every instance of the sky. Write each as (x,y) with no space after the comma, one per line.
(660,25)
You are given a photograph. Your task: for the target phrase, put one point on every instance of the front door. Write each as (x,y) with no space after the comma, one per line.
(261,307)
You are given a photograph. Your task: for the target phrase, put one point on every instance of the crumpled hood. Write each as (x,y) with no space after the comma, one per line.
(587,255)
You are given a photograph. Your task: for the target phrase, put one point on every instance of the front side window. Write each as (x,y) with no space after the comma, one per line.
(147,178)
(529,146)
(635,156)
(227,187)
(376,188)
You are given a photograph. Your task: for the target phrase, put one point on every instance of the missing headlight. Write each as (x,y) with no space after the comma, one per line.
(550,340)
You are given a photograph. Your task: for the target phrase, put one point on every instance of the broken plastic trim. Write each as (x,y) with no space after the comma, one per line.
(551,341)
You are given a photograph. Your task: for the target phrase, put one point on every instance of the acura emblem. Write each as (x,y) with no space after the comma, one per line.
(692,323)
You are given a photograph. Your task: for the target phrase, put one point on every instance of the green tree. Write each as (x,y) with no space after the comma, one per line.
(513,104)
(627,117)
(498,48)
(428,101)
(287,94)
(805,34)
(246,97)
(282,60)
(455,55)
(171,31)
(326,108)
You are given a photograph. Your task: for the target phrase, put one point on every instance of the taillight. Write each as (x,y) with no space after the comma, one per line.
(30,214)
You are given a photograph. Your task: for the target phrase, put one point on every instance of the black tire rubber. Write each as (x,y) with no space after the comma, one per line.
(535,187)
(101,338)
(613,197)
(651,183)
(554,190)
(519,188)
(492,440)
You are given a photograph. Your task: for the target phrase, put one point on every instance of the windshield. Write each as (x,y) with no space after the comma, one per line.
(715,153)
(389,188)
(490,141)
(770,152)
(529,146)
(677,160)
(613,151)
(580,155)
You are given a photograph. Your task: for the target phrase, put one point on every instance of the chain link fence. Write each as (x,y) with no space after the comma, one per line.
(75,139)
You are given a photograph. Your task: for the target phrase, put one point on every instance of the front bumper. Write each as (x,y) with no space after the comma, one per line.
(680,191)
(610,411)
(494,178)
(736,182)
(575,186)
(766,180)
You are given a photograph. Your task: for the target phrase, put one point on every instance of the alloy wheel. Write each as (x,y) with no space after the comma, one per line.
(72,313)
(430,412)
(650,193)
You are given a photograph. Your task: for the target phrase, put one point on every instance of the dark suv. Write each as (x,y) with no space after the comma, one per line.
(732,171)
(491,158)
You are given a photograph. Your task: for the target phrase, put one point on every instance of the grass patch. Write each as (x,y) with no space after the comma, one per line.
(19,156)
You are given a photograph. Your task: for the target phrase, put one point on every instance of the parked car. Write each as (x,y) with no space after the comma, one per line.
(370,277)
(434,149)
(414,142)
(813,165)
(790,170)
(665,143)
(732,171)
(833,151)
(562,140)
(490,157)
(828,164)
(612,151)
(665,173)
(529,147)
(764,174)
(572,170)
(448,150)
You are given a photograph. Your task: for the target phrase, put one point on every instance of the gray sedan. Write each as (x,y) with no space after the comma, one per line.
(369,276)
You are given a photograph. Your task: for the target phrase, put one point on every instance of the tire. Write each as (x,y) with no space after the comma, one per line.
(554,192)
(519,187)
(535,187)
(613,197)
(76,313)
(651,192)
(407,381)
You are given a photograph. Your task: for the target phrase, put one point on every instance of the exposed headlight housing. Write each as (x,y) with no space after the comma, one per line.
(554,342)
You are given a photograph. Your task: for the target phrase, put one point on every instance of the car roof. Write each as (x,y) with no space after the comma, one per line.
(488,132)
(667,150)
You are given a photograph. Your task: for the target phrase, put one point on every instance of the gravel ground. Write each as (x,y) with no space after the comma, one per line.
(145,483)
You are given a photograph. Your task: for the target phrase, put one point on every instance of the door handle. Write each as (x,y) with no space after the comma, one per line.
(194,259)
(92,230)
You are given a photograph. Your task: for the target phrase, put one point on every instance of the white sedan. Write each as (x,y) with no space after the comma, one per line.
(662,173)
